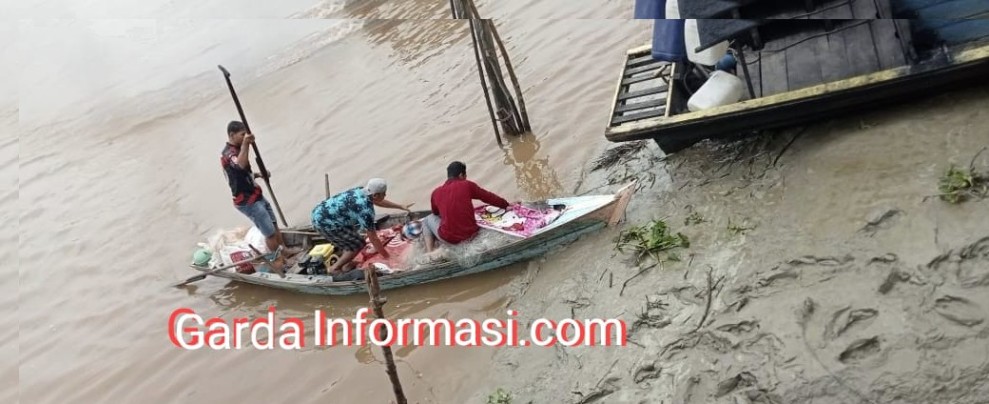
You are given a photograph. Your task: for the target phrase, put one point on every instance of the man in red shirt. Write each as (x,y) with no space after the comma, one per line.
(452,221)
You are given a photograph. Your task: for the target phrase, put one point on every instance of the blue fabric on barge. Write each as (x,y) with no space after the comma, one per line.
(667,41)
(650,9)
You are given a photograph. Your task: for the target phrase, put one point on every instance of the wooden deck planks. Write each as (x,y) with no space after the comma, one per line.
(643,69)
(888,47)
(641,105)
(860,52)
(774,77)
(641,93)
(834,66)
(754,60)
(803,67)
(639,115)
(638,89)
(635,80)
(641,61)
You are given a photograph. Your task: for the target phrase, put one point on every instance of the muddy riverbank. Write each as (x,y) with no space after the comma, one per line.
(822,271)
(117,179)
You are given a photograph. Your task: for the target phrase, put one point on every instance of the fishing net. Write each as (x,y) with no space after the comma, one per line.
(465,254)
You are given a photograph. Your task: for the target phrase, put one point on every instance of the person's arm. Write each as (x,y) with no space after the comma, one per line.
(384,203)
(243,159)
(488,197)
(367,222)
(372,236)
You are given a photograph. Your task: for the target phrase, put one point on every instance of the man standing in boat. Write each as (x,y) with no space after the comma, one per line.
(452,220)
(341,218)
(247,197)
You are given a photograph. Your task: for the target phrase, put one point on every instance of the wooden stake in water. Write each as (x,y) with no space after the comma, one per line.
(484,84)
(487,43)
(374,291)
(326,177)
(515,80)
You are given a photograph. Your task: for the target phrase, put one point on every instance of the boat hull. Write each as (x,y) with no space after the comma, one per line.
(321,285)
(589,214)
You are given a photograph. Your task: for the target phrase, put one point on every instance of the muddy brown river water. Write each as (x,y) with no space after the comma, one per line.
(113,175)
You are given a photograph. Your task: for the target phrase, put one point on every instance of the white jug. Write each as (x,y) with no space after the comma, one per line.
(692,38)
(672,10)
(722,88)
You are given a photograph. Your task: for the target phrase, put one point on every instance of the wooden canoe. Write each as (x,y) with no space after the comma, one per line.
(583,214)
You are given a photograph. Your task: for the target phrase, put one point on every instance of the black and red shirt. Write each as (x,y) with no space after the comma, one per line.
(245,190)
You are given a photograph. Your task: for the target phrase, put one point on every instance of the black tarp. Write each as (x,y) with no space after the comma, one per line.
(713,32)
(714,19)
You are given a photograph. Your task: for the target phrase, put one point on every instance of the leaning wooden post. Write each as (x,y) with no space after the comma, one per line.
(490,33)
(453,8)
(374,291)
(504,102)
(515,81)
(326,178)
(484,83)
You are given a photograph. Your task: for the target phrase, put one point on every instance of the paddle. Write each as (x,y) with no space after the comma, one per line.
(211,272)
(257,153)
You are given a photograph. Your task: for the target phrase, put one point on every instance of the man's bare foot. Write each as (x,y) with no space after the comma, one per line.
(435,256)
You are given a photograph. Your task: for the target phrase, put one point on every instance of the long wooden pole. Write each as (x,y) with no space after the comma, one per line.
(453,9)
(374,291)
(512,122)
(515,81)
(484,83)
(498,81)
(257,153)
(326,180)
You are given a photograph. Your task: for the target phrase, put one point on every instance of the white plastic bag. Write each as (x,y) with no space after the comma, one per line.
(256,239)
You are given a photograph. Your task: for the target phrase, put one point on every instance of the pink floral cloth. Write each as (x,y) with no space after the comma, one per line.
(517,220)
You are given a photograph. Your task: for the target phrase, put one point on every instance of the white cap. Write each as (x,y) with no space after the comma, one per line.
(376,186)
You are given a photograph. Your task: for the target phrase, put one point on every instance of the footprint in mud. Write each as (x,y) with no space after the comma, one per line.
(969,264)
(860,350)
(646,372)
(777,277)
(959,310)
(880,218)
(844,320)
(895,276)
(973,265)
(824,261)
(740,327)
(741,380)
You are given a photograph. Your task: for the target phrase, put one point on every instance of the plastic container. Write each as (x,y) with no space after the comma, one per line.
(707,57)
(721,88)
(245,268)
(673,9)
(201,257)
(323,252)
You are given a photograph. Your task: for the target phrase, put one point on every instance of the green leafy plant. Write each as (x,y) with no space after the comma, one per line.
(694,218)
(650,240)
(736,229)
(500,397)
(958,184)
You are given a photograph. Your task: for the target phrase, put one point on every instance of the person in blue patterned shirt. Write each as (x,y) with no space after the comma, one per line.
(342,218)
